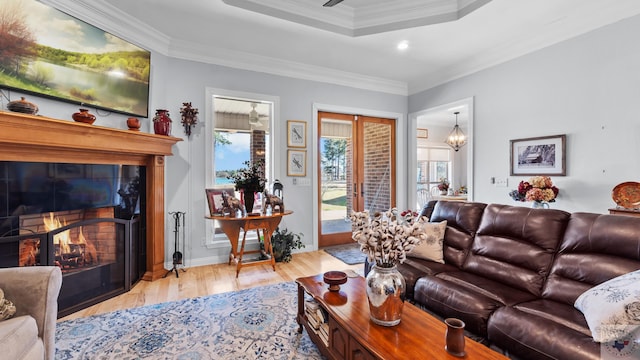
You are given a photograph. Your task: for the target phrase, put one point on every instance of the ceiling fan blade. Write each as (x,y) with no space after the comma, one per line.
(332,3)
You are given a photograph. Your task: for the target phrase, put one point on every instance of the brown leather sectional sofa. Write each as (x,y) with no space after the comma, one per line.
(512,274)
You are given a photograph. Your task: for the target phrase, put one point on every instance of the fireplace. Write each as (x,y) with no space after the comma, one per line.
(67,199)
(83,218)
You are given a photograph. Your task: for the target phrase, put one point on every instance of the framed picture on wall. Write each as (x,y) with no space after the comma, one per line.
(296,133)
(545,155)
(296,163)
(215,201)
(422,133)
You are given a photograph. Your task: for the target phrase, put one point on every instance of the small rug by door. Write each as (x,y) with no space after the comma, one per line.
(257,323)
(348,253)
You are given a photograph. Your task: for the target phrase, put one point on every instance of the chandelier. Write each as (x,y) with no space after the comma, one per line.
(456,138)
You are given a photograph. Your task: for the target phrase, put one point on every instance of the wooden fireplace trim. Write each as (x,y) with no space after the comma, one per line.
(41,139)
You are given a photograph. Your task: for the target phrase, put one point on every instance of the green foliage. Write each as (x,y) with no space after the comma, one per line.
(250,178)
(41,74)
(333,158)
(135,64)
(283,242)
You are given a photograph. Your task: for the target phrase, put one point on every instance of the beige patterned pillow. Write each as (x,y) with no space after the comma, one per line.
(7,309)
(431,247)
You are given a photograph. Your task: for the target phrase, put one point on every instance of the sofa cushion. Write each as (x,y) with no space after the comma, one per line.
(586,256)
(612,309)
(7,308)
(515,245)
(19,337)
(466,296)
(463,219)
(431,247)
(542,329)
(413,269)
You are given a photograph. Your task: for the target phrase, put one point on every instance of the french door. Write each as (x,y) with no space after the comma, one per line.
(356,160)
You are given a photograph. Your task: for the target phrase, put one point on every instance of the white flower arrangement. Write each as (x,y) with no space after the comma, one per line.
(388,237)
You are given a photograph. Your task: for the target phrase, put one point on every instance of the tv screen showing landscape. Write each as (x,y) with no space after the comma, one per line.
(46,52)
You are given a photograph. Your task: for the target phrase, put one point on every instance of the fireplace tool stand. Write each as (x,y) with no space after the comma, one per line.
(178,217)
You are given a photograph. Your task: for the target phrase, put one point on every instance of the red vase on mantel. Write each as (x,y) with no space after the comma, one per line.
(162,122)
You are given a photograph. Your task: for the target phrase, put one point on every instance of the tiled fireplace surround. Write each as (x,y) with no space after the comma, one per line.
(27,138)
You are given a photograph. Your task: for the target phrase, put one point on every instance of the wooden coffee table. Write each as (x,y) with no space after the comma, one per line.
(352,335)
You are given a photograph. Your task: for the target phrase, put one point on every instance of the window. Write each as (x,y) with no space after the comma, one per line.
(241,133)
(434,163)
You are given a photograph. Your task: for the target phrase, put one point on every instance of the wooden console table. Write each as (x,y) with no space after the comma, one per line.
(352,335)
(231,227)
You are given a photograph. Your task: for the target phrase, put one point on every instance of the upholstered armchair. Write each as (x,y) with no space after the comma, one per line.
(30,333)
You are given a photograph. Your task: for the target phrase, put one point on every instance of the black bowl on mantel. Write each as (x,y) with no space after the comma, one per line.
(23,106)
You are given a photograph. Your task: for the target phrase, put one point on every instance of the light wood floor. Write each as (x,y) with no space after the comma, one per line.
(215,279)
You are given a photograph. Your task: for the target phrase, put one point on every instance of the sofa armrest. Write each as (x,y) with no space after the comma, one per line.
(34,291)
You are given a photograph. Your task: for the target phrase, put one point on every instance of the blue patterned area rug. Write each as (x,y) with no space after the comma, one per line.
(257,323)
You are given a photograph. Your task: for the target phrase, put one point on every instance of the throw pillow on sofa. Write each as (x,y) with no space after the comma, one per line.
(431,247)
(7,309)
(612,309)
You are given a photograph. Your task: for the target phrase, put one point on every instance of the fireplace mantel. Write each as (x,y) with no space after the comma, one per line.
(41,139)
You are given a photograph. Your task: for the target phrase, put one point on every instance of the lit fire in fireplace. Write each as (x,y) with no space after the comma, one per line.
(69,252)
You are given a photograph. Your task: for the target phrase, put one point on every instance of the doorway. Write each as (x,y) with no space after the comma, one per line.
(432,159)
(356,171)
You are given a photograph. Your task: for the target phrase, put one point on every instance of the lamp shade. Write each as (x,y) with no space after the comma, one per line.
(456,138)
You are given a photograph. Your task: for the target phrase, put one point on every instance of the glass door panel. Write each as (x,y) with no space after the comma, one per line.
(357,171)
(376,188)
(336,173)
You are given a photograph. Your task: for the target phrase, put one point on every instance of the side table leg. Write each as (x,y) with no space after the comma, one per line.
(300,316)
(239,263)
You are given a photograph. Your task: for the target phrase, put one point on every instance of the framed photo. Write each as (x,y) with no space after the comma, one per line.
(544,155)
(296,133)
(422,133)
(215,201)
(296,163)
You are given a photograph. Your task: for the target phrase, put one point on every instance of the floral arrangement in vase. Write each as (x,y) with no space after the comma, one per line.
(538,189)
(387,237)
(249,181)
(250,178)
(443,185)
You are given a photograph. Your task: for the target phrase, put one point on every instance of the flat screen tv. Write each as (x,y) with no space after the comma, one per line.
(46,52)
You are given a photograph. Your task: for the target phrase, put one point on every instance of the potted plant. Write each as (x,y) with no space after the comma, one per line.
(249,181)
(283,241)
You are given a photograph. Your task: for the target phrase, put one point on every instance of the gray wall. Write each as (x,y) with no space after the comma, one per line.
(187,81)
(586,87)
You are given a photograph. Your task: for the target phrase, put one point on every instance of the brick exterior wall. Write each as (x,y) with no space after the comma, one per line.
(258,146)
(377,159)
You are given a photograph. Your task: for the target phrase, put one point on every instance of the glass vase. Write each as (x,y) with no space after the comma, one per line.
(539,205)
(385,291)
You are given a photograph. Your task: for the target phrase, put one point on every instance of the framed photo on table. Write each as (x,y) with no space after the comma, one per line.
(215,199)
(296,133)
(296,163)
(545,155)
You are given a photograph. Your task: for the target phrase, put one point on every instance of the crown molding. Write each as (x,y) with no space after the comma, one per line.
(114,20)
(111,19)
(366,19)
(253,62)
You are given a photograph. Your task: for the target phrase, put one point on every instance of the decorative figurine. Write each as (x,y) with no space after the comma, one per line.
(189,117)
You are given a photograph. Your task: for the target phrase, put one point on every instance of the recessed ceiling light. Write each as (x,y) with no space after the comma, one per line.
(403,45)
